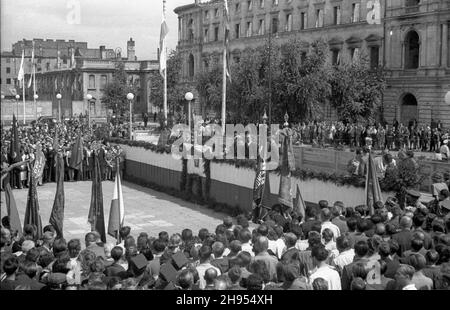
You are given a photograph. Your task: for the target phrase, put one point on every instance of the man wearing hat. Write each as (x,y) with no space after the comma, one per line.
(438,184)
(412,202)
(441,205)
(445,151)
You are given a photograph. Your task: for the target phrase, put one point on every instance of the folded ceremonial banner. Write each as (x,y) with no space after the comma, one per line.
(57,215)
(373,190)
(299,203)
(15,143)
(117,211)
(76,159)
(11,209)
(32,215)
(96,216)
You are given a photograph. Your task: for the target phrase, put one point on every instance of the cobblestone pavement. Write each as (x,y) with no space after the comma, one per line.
(146,210)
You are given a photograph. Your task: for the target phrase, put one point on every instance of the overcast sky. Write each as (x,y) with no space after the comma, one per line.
(100,22)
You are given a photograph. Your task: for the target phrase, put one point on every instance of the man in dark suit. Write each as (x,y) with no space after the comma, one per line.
(115,269)
(27,278)
(405,235)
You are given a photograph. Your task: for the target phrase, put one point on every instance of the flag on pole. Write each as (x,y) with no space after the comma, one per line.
(57,215)
(162,43)
(11,209)
(32,64)
(21,74)
(117,211)
(96,216)
(74,64)
(373,190)
(58,59)
(299,203)
(261,193)
(32,215)
(286,166)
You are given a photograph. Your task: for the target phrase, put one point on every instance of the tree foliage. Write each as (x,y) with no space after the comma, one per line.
(357,90)
(175,90)
(115,94)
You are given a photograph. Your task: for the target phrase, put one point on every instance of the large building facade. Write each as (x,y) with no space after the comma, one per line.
(410,38)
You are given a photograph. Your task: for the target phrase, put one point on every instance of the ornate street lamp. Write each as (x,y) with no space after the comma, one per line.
(59,97)
(17,104)
(130,98)
(189,97)
(89,98)
(35,97)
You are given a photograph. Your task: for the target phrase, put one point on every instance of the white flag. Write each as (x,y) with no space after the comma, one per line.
(162,43)
(21,75)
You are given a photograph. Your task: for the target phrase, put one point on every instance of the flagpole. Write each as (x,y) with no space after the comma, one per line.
(165,91)
(224,89)
(34,85)
(164,52)
(23,95)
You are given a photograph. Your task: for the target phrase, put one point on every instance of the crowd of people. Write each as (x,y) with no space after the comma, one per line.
(397,136)
(42,135)
(332,247)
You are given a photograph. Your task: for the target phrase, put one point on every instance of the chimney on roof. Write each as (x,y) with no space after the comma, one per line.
(102,52)
(131,54)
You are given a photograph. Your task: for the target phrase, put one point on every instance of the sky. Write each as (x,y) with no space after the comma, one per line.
(97,22)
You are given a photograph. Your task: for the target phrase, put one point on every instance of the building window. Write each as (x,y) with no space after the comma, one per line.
(303,20)
(412,2)
(250,5)
(216,34)
(261,4)
(319,18)
(216,12)
(261,27)
(249,29)
(206,14)
(191,35)
(354,54)
(355,12)
(65,59)
(374,57)
(103,81)
(91,81)
(8,81)
(289,22)
(337,15)
(412,50)
(8,70)
(335,57)
(237,31)
(274,25)
(205,36)
(237,7)
(191,72)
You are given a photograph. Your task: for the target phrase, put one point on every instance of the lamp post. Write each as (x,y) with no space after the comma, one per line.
(189,97)
(58,96)
(89,98)
(130,98)
(36,97)
(17,104)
